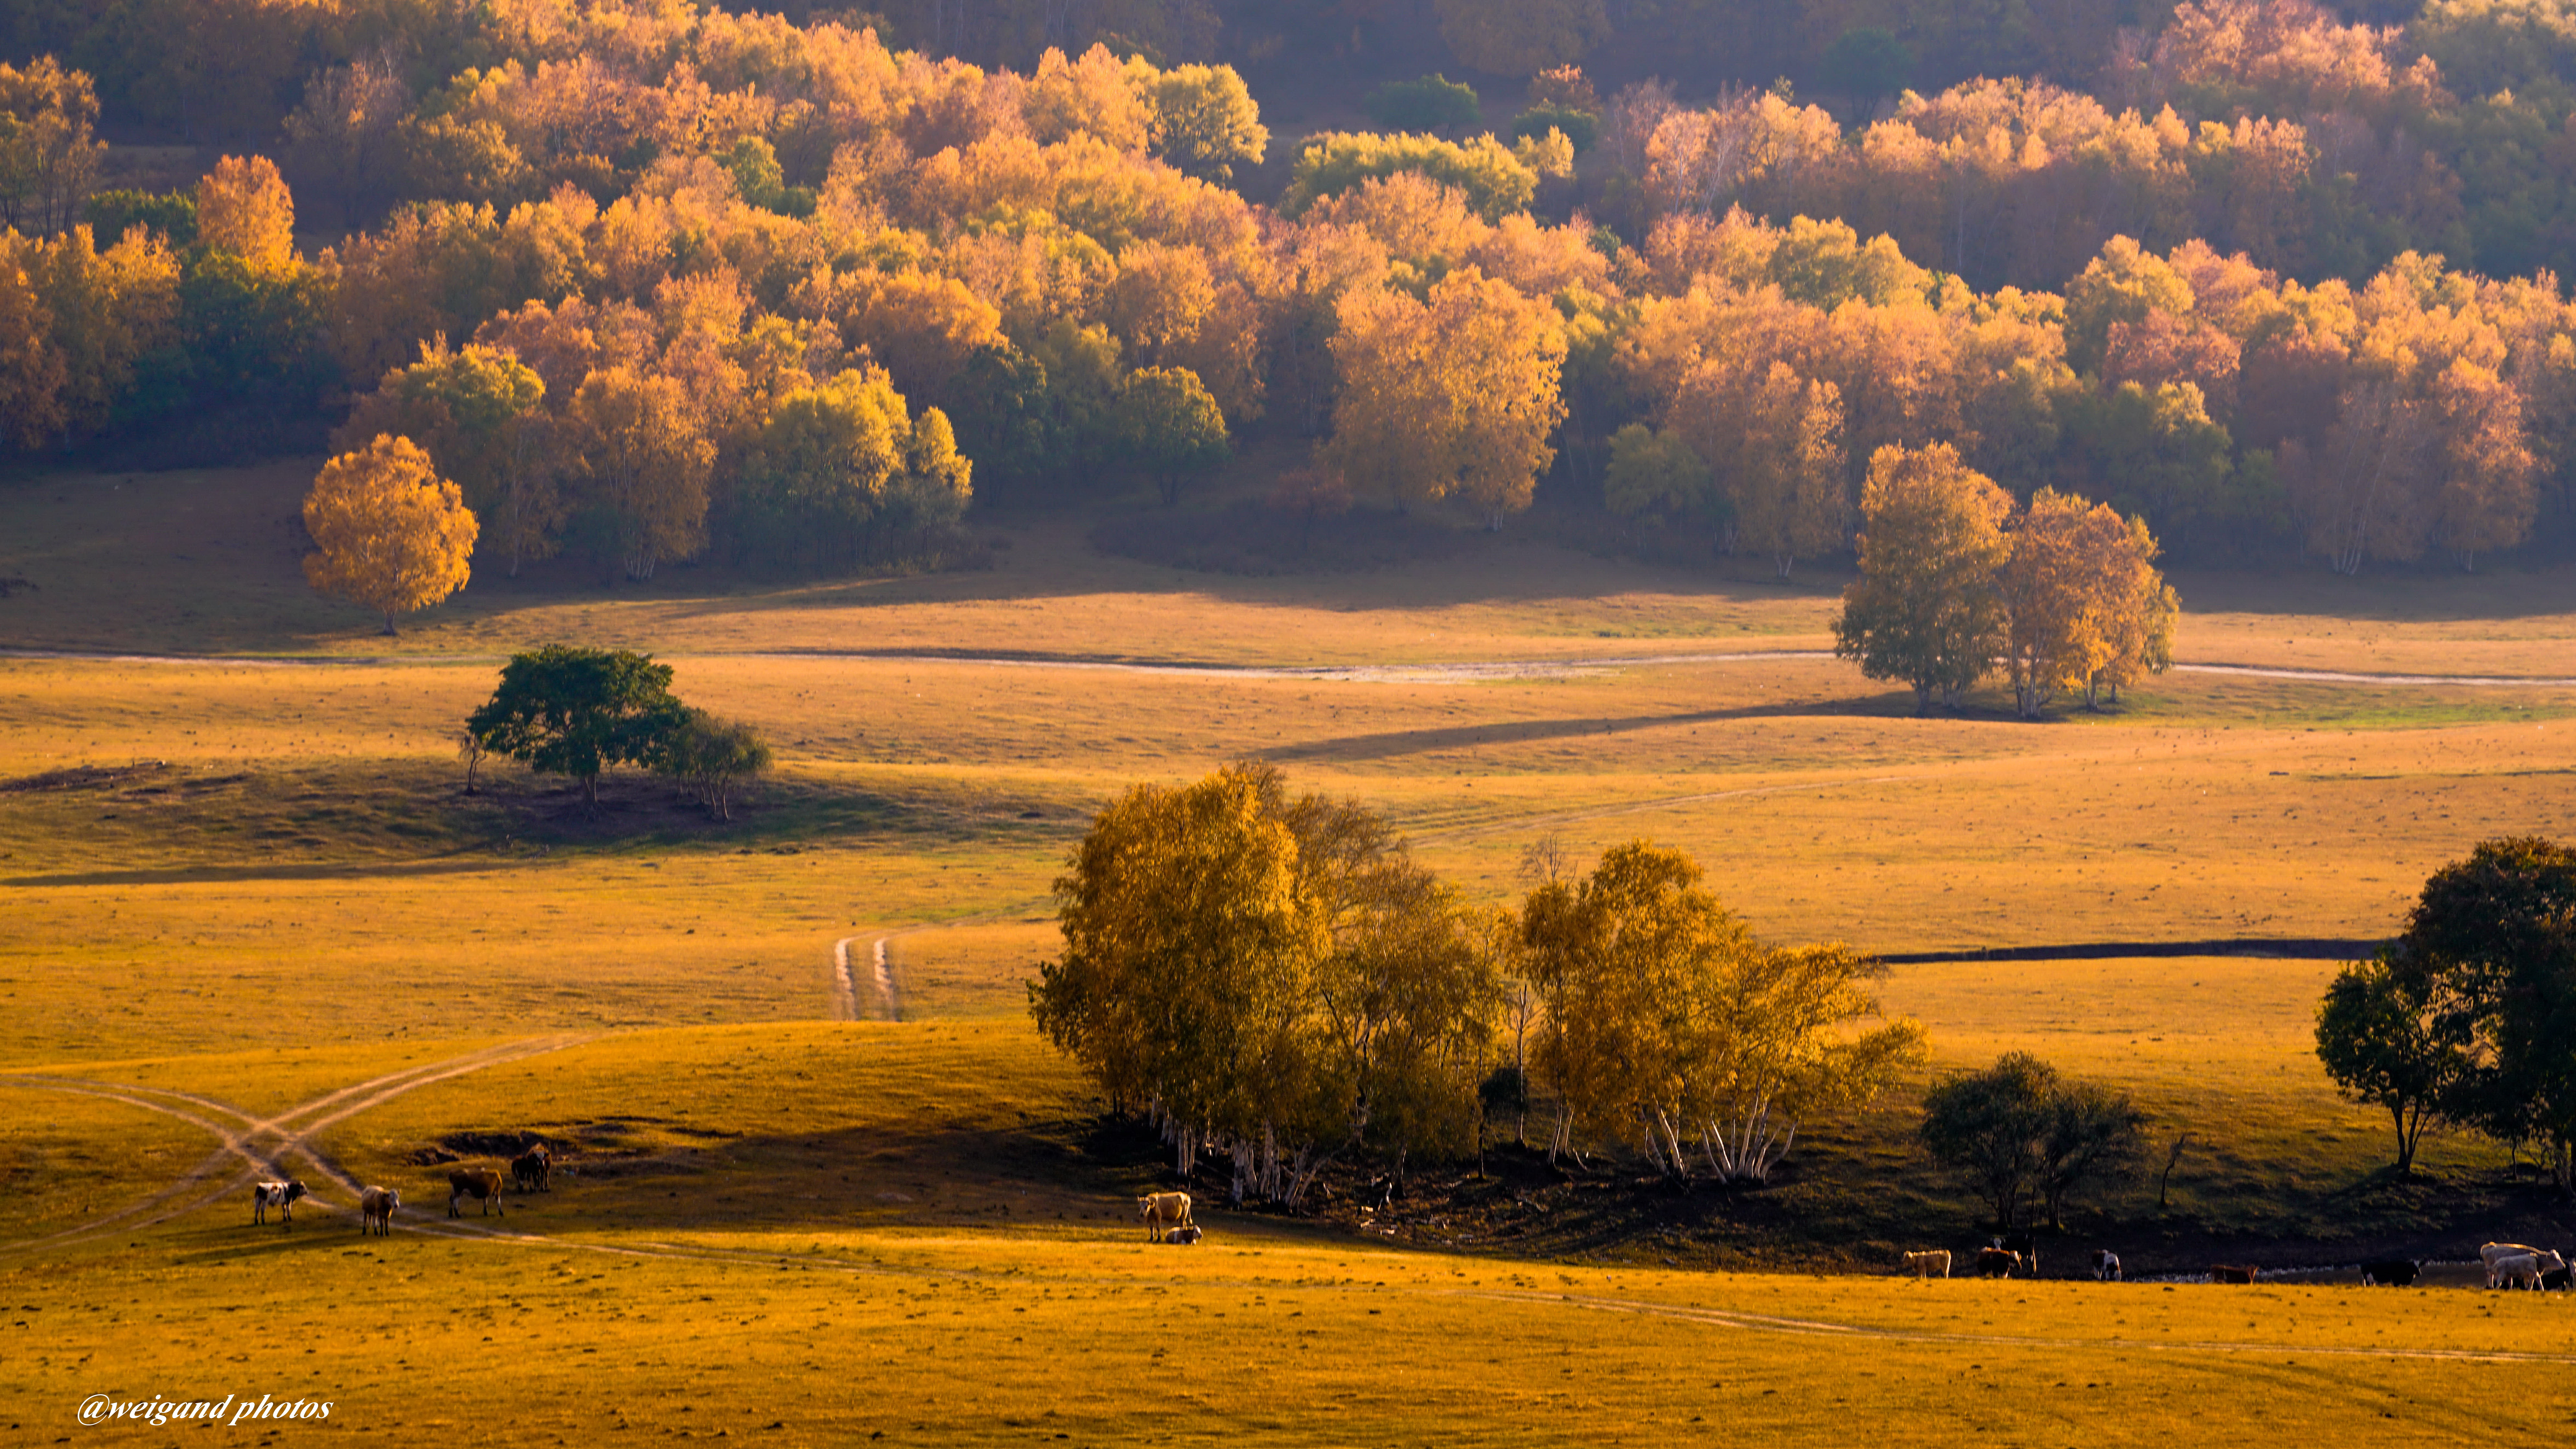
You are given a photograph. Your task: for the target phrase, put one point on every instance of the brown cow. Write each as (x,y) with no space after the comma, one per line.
(376,1208)
(482,1183)
(533,1170)
(2233,1273)
(1163,1210)
(1997,1262)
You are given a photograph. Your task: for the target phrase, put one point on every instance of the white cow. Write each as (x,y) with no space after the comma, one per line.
(2494,1253)
(1928,1263)
(1161,1210)
(279,1195)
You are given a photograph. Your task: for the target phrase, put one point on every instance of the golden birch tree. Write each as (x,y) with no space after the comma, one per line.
(390,534)
(1453,397)
(1925,608)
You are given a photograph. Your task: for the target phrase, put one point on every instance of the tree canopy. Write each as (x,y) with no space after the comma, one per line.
(389,533)
(562,710)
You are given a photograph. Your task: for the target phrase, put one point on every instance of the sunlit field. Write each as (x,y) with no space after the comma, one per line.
(250,916)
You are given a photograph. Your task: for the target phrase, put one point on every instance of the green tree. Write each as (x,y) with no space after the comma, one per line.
(713,757)
(478,412)
(1925,608)
(1204,121)
(562,710)
(1427,104)
(2381,1038)
(1867,64)
(2093,1138)
(1171,427)
(2497,932)
(842,465)
(1495,181)
(1989,1125)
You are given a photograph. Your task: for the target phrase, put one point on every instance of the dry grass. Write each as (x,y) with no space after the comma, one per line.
(911,1228)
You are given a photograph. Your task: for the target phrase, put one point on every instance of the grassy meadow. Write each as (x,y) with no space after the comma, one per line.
(249,914)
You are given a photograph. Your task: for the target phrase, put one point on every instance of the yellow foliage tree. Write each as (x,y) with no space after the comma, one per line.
(392,534)
(2087,607)
(244,207)
(1925,608)
(1453,397)
(635,439)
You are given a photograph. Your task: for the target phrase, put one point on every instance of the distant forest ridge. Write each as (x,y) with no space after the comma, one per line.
(652,280)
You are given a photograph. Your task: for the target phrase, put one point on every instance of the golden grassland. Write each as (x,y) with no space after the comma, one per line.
(278,891)
(814,1234)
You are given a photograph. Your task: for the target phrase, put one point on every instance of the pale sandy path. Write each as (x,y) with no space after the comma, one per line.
(1425,673)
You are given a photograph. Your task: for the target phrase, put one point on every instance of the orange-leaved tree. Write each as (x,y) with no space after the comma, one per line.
(1455,396)
(1925,608)
(392,534)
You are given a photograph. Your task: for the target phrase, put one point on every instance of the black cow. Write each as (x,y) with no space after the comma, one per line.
(2026,1246)
(2391,1273)
(2558,1277)
(1997,1262)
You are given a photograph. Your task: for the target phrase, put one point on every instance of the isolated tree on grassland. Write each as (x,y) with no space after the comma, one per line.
(568,711)
(390,534)
(1518,37)
(2381,1038)
(2017,1130)
(1453,397)
(2497,933)
(1925,609)
(1270,976)
(1663,1011)
(712,756)
(634,439)
(1171,427)
(2071,576)
(2092,1139)
(244,207)
(2138,613)
(1987,1125)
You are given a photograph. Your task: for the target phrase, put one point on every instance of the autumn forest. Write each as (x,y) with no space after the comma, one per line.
(646,281)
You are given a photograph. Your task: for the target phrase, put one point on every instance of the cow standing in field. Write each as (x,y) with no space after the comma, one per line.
(533,1170)
(2391,1273)
(376,1209)
(2494,1253)
(2233,1273)
(1926,1264)
(279,1195)
(1162,1211)
(2027,1246)
(480,1183)
(1997,1262)
(2106,1266)
(2515,1272)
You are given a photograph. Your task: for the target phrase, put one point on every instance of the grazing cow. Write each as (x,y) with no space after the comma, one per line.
(1163,1209)
(481,1183)
(2227,1273)
(2522,1270)
(1997,1262)
(2106,1266)
(2027,1246)
(533,1169)
(376,1208)
(2558,1277)
(278,1195)
(2391,1273)
(1928,1263)
(2494,1252)
(1183,1236)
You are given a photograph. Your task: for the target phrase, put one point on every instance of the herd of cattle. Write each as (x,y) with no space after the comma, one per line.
(531,1171)
(2508,1265)
(1166,1216)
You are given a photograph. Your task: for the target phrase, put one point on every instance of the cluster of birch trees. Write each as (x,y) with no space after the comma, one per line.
(1271,978)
